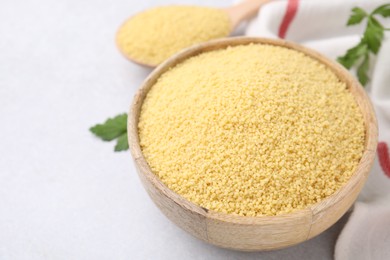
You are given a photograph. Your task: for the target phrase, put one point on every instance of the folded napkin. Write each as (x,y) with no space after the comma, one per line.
(321,25)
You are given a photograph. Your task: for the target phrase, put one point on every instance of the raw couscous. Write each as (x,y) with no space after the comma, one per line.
(251,130)
(154,35)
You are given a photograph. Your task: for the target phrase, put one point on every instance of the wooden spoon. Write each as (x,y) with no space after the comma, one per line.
(243,11)
(237,14)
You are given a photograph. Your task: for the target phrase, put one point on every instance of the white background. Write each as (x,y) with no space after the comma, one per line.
(64,194)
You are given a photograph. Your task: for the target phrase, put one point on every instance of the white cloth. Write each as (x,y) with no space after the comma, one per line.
(321,25)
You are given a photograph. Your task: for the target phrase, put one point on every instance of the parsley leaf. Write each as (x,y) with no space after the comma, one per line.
(373,35)
(375,23)
(353,55)
(383,10)
(362,70)
(357,16)
(370,42)
(111,129)
(122,143)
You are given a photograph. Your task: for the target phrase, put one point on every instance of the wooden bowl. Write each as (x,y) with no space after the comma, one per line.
(253,233)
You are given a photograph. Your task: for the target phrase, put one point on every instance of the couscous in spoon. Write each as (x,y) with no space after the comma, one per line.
(151,36)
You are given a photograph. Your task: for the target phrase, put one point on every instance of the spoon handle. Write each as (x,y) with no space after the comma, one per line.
(244,11)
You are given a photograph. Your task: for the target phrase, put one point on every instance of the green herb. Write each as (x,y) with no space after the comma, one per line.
(122,143)
(370,42)
(113,128)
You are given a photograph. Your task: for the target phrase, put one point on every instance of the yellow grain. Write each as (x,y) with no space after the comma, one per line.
(155,34)
(251,130)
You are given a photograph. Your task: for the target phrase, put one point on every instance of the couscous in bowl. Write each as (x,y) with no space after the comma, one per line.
(247,232)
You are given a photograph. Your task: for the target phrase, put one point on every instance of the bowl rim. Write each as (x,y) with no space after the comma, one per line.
(360,96)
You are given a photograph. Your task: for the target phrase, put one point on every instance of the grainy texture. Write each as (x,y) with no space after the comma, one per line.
(152,36)
(244,232)
(252,130)
(84,202)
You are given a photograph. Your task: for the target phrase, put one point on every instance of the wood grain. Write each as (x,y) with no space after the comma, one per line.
(254,233)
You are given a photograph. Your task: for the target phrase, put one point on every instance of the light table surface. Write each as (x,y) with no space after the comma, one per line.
(63,193)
